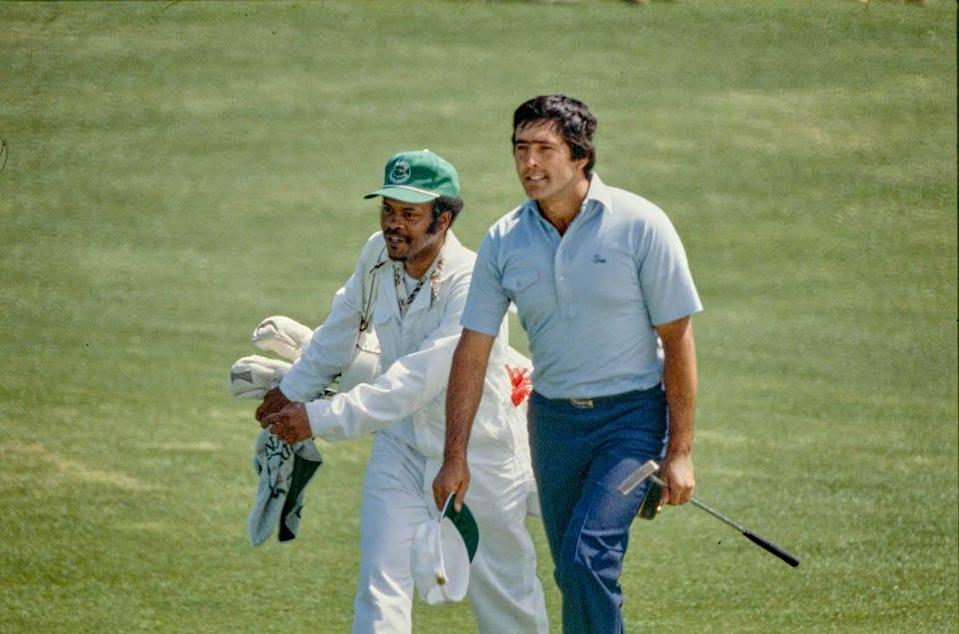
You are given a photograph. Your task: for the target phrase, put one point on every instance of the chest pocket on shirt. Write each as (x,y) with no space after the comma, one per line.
(381,324)
(527,289)
(517,281)
(380,314)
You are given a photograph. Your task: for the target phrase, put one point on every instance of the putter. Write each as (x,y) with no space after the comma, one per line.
(648,471)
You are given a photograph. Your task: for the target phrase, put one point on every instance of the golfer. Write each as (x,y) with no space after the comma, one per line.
(422,274)
(603,289)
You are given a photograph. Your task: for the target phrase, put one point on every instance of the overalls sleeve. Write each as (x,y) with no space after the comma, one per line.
(404,388)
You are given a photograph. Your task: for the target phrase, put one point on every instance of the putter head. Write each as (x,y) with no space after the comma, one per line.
(654,491)
(637,477)
(650,504)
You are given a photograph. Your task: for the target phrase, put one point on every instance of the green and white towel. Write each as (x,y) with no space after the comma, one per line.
(284,470)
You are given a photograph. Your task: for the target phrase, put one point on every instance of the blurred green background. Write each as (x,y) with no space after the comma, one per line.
(175,172)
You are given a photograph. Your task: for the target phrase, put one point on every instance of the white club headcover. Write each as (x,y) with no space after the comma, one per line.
(254,376)
(282,335)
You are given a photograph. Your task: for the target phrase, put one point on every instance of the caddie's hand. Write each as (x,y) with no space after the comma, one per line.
(291,424)
(677,472)
(273,401)
(453,477)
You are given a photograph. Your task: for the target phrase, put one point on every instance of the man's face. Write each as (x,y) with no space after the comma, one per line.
(406,229)
(544,163)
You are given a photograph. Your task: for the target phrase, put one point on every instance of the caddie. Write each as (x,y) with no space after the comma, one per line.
(603,288)
(417,274)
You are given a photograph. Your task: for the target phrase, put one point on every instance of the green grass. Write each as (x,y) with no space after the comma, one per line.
(178,171)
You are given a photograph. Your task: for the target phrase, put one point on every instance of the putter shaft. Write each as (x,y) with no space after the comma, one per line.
(706,508)
(648,471)
(759,540)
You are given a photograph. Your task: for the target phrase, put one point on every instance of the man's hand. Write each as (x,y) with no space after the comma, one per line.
(273,401)
(291,424)
(677,472)
(453,477)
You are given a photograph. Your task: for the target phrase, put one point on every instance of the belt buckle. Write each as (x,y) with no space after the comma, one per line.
(581,403)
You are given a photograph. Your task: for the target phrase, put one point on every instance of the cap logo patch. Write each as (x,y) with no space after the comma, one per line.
(400,172)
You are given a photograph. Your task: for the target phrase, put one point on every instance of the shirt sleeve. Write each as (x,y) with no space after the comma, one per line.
(487,302)
(664,274)
(331,347)
(405,387)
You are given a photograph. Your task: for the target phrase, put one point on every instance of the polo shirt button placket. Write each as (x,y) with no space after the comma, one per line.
(563,291)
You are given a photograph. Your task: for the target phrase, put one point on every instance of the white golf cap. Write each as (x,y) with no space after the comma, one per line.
(441,554)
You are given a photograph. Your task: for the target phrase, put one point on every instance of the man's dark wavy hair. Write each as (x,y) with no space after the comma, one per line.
(452,204)
(570,117)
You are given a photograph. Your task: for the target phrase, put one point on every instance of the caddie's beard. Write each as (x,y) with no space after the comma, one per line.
(411,244)
(403,247)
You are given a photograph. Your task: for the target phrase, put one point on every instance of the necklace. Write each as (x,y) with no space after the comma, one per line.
(407,301)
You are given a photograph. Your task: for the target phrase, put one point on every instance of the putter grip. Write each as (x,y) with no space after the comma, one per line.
(771,547)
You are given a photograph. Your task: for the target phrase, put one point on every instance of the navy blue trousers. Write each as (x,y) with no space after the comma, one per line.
(580,455)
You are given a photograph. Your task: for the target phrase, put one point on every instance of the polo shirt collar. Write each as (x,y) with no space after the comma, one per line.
(598,191)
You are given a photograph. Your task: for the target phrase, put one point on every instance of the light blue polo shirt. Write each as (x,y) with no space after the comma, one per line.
(589,300)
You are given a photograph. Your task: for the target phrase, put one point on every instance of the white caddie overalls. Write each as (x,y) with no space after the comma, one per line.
(405,406)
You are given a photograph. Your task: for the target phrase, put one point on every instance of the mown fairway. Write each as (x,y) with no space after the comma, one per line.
(176,172)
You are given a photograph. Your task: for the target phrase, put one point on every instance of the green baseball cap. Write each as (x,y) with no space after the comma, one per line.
(418,177)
